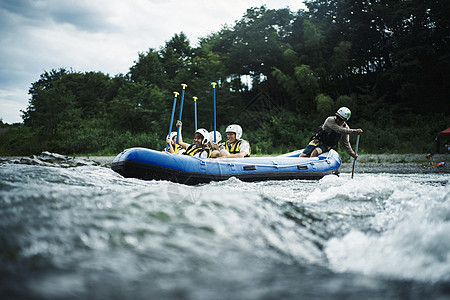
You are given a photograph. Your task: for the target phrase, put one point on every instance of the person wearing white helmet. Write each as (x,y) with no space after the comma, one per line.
(199,147)
(173,141)
(235,147)
(328,135)
(218,140)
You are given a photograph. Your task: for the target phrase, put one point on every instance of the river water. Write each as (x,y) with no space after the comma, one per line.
(81,231)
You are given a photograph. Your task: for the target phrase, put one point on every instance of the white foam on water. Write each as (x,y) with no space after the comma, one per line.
(410,232)
(363,188)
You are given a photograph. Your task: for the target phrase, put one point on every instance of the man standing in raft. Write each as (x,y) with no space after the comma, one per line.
(235,147)
(330,133)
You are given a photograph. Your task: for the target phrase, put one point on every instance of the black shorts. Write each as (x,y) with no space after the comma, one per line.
(310,148)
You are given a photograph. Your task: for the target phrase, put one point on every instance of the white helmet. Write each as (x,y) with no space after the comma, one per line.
(218,136)
(236,129)
(205,135)
(344,113)
(172,135)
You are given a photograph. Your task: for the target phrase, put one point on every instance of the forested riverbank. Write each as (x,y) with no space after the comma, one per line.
(279,74)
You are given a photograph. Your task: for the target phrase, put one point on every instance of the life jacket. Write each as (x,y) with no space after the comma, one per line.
(329,139)
(192,150)
(177,149)
(234,148)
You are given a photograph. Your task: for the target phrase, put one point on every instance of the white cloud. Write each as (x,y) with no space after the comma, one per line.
(12,101)
(102,35)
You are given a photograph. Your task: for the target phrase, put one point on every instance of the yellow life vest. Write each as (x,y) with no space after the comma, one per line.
(192,150)
(177,148)
(233,149)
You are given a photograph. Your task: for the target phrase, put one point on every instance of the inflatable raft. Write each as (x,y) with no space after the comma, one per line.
(149,164)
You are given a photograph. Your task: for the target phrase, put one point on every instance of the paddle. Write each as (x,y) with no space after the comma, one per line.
(356,152)
(214,108)
(181,109)
(171,119)
(195,112)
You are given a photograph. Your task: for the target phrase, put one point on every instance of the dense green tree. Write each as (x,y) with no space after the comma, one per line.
(325,105)
(92,92)
(149,68)
(302,86)
(253,45)
(51,106)
(176,57)
(279,74)
(399,47)
(138,108)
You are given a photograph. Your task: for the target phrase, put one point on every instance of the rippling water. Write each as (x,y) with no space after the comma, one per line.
(87,233)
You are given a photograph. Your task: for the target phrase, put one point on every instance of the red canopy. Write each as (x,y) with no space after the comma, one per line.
(445,132)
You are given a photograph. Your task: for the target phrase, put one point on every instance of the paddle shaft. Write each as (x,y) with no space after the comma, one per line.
(356,152)
(181,110)
(171,119)
(195,112)
(214,109)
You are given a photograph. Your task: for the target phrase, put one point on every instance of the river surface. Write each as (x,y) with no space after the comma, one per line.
(82,231)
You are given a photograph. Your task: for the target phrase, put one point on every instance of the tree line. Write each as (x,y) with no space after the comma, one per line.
(279,74)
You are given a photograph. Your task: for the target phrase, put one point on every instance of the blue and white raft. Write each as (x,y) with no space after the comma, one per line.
(149,164)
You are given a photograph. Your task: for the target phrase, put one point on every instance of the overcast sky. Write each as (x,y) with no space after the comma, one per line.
(98,35)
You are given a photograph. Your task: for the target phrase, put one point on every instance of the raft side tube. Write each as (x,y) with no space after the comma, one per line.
(155,165)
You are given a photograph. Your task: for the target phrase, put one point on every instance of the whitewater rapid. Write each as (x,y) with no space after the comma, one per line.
(78,232)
